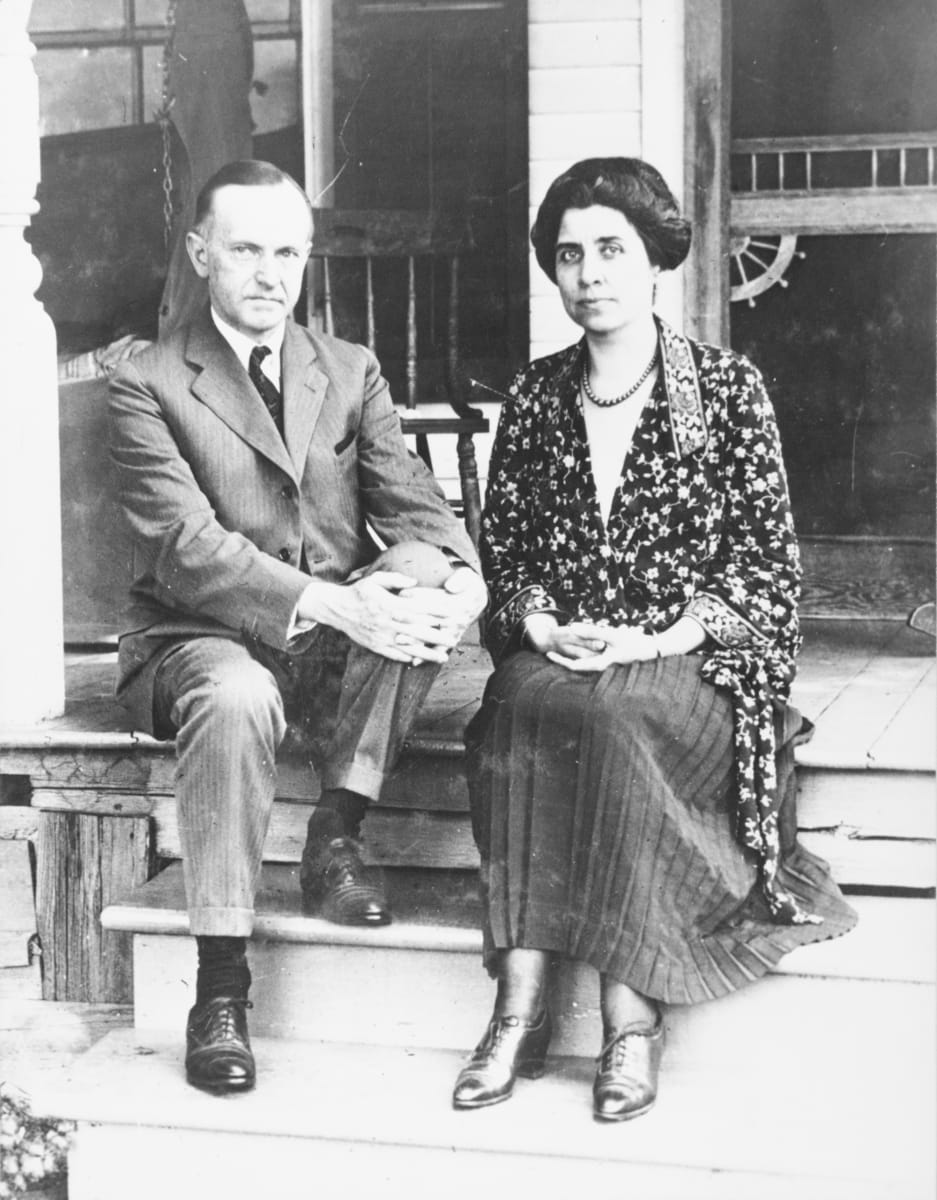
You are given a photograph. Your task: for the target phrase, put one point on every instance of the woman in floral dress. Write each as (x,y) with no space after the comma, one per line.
(630,770)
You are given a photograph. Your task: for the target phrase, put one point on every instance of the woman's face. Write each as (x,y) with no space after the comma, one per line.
(605,277)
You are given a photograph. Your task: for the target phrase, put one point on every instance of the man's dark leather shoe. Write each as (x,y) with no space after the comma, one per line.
(335,885)
(218,1054)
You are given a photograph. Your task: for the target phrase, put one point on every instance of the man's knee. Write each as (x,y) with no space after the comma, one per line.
(236,692)
(427,564)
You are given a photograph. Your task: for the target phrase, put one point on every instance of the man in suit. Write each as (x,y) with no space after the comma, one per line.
(254,461)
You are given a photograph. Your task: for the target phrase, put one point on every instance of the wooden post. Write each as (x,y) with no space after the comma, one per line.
(708,97)
(85,862)
(32,676)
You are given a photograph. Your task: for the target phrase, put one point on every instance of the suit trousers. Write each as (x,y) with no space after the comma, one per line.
(231,706)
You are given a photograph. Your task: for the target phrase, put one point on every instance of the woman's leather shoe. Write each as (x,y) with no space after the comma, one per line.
(510,1047)
(626,1080)
(218,1054)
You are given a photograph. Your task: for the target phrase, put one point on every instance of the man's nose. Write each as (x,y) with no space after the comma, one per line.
(265,270)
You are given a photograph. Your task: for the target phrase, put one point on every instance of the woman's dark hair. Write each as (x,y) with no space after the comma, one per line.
(632,186)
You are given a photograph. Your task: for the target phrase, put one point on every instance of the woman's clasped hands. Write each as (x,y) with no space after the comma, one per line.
(587,646)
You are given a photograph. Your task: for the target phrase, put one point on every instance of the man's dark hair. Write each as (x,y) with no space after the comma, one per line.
(246,172)
(630,185)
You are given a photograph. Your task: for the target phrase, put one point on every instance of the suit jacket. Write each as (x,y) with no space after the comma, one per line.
(223,511)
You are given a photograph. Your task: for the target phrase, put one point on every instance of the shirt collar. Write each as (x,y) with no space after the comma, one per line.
(242,345)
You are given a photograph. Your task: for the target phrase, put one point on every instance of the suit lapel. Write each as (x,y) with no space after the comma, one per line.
(223,385)
(304,389)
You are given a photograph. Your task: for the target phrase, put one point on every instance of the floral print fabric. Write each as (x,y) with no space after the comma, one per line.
(700,525)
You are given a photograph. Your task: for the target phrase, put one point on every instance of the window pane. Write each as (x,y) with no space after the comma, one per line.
(151,12)
(848,355)
(810,67)
(275,98)
(268,10)
(47,16)
(152,81)
(84,89)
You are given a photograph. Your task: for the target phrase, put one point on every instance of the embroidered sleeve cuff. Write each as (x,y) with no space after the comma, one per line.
(722,623)
(505,627)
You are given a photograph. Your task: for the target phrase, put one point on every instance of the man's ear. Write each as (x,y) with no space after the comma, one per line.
(198,252)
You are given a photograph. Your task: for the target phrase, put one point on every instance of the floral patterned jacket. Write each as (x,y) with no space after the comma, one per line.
(700,525)
(701,522)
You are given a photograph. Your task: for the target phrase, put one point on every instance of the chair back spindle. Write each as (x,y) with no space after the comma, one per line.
(405,236)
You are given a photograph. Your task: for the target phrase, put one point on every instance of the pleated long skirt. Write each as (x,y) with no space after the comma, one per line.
(603,809)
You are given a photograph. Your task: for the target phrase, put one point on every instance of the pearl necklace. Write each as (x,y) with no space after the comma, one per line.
(613,400)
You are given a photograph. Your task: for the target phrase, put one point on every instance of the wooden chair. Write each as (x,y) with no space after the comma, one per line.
(424,335)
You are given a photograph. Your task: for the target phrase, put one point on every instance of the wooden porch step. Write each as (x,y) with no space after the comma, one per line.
(369,1121)
(429,988)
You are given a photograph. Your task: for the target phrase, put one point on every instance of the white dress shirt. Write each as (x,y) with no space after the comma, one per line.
(242,346)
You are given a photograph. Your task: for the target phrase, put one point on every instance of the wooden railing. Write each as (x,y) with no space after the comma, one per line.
(856,183)
(815,163)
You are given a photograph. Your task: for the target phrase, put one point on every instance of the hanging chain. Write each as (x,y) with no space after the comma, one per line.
(163,118)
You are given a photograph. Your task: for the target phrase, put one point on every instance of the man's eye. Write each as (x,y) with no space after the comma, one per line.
(241,251)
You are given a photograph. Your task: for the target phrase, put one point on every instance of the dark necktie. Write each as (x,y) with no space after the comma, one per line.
(269,392)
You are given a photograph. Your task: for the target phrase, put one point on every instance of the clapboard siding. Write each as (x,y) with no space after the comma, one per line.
(584,94)
(596,43)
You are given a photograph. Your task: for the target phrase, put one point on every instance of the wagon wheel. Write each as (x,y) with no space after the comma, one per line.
(760,263)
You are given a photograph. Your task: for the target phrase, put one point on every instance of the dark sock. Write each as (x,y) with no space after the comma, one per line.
(339,813)
(351,808)
(222,968)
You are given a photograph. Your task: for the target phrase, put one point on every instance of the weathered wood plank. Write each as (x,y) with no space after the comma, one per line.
(438,782)
(103,803)
(392,837)
(874,803)
(860,715)
(847,210)
(444,840)
(84,863)
(875,862)
(707,196)
(865,577)
(909,738)
(898,804)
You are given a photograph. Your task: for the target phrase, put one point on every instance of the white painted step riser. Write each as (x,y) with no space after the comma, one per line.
(422,998)
(238,1167)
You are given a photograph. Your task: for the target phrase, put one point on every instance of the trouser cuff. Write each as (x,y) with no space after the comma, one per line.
(221,922)
(355,777)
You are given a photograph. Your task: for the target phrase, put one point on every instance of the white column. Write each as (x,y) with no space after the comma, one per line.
(31,655)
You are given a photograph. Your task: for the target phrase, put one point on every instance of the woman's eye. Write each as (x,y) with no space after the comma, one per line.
(567,255)
(611,249)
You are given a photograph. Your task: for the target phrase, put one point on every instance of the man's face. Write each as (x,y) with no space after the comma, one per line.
(252,249)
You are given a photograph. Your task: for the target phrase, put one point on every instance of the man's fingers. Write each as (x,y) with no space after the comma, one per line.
(392,581)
